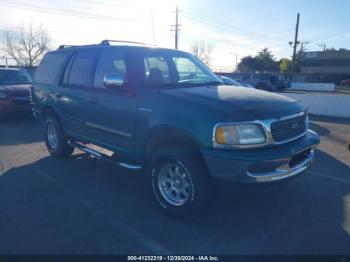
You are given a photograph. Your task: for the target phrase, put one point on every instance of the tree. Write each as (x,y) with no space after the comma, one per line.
(203,51)
(263,61)
(265,54)
(267,60)
(285,65)
(26,45)
(249,64)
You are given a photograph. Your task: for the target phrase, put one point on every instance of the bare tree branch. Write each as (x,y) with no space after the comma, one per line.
(202,50)
(26,45)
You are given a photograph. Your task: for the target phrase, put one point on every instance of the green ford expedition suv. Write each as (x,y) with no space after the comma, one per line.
(164,111)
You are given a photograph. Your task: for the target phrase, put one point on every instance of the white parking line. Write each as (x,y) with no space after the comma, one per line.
(330,177)
(133,233)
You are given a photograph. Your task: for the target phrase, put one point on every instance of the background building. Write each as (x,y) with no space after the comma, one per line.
(330,66)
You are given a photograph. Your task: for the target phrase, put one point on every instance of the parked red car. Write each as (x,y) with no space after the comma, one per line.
(345,82)
(14,91)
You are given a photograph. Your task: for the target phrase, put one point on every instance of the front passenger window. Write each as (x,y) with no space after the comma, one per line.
(110,62)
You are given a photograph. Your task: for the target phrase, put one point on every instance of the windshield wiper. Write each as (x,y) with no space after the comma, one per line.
(187,84)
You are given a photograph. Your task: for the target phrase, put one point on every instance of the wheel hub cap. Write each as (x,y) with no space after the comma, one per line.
(174,184)
(52,136)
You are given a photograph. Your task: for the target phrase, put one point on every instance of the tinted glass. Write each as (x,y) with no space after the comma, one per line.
(14,77)
(187,69)
(156,70)
(82,68)
(50,67)
(165,68)
(110,62)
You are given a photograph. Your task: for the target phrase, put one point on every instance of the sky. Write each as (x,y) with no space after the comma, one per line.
(234,28)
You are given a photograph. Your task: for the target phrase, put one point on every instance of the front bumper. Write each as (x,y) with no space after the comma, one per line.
(263,165)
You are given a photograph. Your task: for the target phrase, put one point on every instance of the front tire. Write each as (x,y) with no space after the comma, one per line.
(181,183)
(55,140)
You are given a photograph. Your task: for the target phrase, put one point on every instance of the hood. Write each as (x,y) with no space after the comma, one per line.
(237,100)
(16,90)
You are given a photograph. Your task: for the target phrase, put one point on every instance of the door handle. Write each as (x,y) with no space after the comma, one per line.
(93,101)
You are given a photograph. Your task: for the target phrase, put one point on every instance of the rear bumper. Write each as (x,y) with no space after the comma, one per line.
(8,106)
(263,165)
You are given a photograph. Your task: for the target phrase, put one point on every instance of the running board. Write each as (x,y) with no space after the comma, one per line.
(102,156)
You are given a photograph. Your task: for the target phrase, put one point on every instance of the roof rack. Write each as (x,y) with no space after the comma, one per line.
(103,42)
(66,46)
(108,42)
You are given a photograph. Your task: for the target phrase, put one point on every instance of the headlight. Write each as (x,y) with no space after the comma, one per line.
(239,134)
(2,95)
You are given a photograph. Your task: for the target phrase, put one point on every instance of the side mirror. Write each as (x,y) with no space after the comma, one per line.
(113,80)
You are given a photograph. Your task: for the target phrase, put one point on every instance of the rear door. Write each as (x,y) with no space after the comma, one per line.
(73,96)
(115,113)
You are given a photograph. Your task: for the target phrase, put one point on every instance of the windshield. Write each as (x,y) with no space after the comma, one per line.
(175,69)
(230,81)
(14,77)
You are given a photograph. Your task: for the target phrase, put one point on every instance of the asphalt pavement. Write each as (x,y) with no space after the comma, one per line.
(82,205)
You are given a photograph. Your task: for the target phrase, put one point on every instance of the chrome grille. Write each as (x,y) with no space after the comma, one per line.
(288,129)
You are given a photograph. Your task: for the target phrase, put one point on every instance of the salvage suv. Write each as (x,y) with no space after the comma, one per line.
(165,112)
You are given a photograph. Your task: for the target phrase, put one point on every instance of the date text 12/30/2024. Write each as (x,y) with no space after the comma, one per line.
(173,258)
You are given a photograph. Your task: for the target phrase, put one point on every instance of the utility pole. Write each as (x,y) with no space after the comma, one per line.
(324,47)
(177,27)
(153,30)
(6,61)
(303,45)
(295,45)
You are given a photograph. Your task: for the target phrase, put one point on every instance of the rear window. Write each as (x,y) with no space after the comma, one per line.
(50,67)
(14,77)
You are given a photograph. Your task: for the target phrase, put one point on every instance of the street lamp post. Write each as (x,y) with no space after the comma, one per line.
(5,58)
(236,55)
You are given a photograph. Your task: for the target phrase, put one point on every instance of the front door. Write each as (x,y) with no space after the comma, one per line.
(115,114)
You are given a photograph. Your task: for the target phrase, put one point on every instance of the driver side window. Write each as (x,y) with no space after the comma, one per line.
(110,62)
(156,70)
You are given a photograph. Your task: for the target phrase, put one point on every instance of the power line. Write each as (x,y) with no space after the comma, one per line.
(62,11)
(228,29)
(192,14)
(227,41)
(114,4)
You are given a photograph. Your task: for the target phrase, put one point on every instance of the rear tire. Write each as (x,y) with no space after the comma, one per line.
(55,140)
(181,184)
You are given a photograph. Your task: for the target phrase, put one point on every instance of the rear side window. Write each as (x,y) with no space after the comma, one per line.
(110,62)
(82,66)
(50,67)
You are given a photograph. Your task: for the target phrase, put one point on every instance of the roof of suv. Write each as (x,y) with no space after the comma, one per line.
(120,44)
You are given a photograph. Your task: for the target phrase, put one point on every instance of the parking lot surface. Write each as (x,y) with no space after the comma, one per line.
(82,205)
